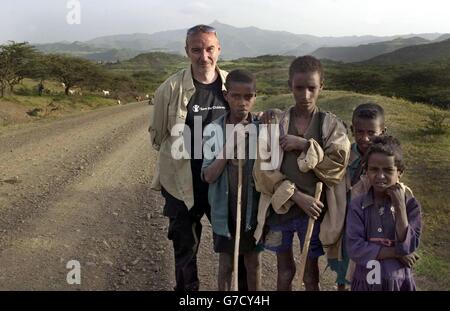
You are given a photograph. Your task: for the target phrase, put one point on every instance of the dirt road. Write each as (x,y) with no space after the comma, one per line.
(79,189)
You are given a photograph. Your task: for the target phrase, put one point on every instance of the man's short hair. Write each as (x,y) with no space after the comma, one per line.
(389,146)
(305,64)
(369,111)
(200,29)
(240,76)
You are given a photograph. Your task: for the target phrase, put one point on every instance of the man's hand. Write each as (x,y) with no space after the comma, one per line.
(269,116)
(409,260)
(308,204)
(292,142)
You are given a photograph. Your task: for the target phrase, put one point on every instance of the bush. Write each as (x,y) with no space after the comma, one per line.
(436,124)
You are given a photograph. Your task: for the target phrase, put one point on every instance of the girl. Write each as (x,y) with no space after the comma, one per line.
(384,224)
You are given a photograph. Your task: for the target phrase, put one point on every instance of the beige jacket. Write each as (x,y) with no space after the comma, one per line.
(170,108)
(329,164)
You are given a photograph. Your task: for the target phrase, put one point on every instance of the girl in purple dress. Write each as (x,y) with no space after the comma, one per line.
(384,225)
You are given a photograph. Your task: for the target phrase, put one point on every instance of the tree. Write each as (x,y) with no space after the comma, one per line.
(15,64)
(74,71)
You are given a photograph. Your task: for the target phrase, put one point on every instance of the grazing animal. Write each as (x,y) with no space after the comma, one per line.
(106,93)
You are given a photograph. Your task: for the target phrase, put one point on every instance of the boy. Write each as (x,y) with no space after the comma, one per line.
(384,224)
(221,173)
(367,122)
(313,147)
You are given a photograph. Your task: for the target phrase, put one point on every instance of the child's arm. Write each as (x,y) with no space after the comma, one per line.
(409,241)
(391,253)
(397,196)
(330,162)
(408,221)
(214,170)
(213,163)
(269,181)
(310,205)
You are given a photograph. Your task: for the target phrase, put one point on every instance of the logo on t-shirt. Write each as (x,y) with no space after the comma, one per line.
(196,108)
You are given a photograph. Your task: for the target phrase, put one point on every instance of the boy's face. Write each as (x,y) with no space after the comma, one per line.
(306,86)
(241,97)
(364,129)
(382,172)
(203,49)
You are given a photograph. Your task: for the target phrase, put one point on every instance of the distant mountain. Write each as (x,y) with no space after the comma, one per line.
(236,42)
(112,55)
(240,42)
(157,59)
(443,37)
(153,63)
(365,51)
(66,47)
(88,51)
(414,54)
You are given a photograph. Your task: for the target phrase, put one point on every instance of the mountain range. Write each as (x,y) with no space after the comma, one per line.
(242,42)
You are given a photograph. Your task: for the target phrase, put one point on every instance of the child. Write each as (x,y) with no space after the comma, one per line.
(313,147)
(367,122)
(384,224)
(222,174)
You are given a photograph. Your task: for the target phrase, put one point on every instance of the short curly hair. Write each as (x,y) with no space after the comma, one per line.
(240,76)
(389,146)
(368,111)
(304,64)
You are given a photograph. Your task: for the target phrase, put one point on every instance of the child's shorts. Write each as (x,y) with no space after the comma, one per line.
(279,238)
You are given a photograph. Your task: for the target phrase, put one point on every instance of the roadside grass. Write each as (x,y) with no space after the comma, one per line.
(427,169)
(26,105)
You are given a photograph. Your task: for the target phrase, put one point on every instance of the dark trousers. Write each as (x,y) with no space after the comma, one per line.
(185,231)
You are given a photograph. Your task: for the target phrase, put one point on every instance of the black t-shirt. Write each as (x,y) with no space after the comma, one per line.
(209,104)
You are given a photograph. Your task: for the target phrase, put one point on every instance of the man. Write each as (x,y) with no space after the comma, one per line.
(194,97)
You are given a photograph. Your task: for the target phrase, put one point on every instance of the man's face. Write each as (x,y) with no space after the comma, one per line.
(203,49)
(241,97)
(382,172)
(306,86)
(365,129)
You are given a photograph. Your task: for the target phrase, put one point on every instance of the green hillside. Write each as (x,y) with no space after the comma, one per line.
(414,54)
(427,83)
(349,54)
(427,171)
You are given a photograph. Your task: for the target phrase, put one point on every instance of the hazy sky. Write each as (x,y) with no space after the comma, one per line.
(45,20)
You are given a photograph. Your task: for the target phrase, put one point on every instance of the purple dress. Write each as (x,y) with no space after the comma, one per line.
(369,228)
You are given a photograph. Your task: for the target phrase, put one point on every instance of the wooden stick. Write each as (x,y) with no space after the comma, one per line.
(237,237)
(309,230)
